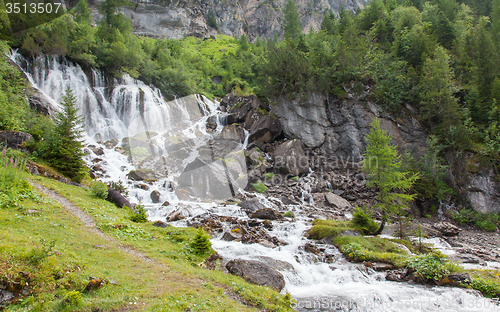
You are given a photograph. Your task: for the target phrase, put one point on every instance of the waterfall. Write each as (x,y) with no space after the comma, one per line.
(171,137)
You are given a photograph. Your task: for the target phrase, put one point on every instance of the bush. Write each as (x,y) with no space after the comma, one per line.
(485,221)
(139,214)
(289,214)
(120,187)
(99,189)
(487,287)
(201,243)
(428,267)
(259,187)
(73,298)
(364,221)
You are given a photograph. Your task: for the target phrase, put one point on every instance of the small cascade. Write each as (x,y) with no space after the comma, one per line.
(130,126)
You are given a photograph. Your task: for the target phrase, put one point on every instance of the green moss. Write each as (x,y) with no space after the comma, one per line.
(259,187)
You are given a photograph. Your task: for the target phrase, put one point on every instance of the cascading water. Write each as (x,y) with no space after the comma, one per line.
(172,139)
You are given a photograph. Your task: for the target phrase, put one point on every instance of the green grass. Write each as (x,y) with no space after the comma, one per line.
(41,238)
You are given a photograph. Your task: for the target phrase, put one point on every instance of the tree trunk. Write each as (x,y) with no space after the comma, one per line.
(381,228)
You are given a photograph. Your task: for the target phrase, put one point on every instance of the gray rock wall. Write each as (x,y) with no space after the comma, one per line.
(338,127)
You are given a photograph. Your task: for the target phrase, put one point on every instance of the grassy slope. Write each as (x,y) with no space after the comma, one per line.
(171,281)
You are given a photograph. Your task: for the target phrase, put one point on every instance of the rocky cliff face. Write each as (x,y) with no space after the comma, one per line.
(256,18)
(336,128)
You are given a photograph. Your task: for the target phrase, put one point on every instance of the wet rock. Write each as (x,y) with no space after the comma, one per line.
(455,279)
(116,197)
(14,139)
(400,275)
(288,201)
(290,158)
(142,186)
(262,126)
(41,103)
(161,224)
(175,215)
(120,150)
(311,248)
(166,203)
(255,156)
(337,201)
(231,236)
(155,196)
(142,175)
(379,266)
(266,243)
(233,132)
(446,228)
(111,143)
(251,205)
(256,272)
(99,151)
(276,264)
(266,214)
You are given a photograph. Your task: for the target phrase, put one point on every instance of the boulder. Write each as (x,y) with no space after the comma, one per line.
(14,139)
(161,224)
(400,275)
(111,143)
(455,279)
(231,236)
(166,203)
(290,158)
(99,151)
(116,197)
(255,157)
(142,175)
(155,196)
(251,205)
(256,272)
(175,215)
(379,266)
(337,201)
(263,127)
(233,132)
(266,214)
(446,228)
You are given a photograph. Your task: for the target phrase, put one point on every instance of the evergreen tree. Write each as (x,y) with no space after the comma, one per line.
(383,169)
(292,21)
(438,105)
(201,242)
(67,145)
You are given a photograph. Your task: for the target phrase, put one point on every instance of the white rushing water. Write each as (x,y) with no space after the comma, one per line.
(167,137)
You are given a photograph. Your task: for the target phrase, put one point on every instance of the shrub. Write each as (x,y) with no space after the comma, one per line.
(120,187)
(428,267)
(139,214)
(289,214)
(99,189)
(259,187)
(486,225)
(201,243)
(487,287)
(363,221)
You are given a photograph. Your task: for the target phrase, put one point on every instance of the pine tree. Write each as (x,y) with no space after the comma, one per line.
(67,145)
(292,21)
(383,169)
(201,242)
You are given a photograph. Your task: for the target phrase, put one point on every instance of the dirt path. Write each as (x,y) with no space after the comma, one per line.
(89,223)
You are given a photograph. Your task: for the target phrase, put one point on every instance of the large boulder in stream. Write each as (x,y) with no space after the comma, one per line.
(142,175)
(256,272)
(266,214)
